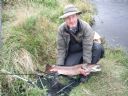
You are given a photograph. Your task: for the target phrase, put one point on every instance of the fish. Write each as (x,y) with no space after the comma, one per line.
(73,70)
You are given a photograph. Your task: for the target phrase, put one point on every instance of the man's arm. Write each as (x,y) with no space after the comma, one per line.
(61,48)
(87,44)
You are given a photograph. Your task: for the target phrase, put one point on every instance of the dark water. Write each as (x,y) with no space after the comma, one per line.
(112,21)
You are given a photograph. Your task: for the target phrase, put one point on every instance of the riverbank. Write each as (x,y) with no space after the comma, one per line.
(29,31)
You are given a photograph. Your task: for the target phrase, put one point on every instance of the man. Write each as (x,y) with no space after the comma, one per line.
(75,41)
(76,48)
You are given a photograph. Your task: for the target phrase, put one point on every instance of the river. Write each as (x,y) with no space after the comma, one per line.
(111,21)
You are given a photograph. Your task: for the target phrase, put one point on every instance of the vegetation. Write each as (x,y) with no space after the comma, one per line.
(29,42)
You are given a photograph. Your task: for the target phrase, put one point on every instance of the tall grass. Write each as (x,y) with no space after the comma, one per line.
(26,46)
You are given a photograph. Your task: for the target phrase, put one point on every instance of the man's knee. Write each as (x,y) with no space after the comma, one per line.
(97,47)
(97,52)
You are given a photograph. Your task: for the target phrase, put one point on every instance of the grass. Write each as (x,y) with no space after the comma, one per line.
(29,42)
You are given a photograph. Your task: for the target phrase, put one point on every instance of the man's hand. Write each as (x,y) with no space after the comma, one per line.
(84,72)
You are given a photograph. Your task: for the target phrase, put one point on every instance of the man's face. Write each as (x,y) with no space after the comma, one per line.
(71,21)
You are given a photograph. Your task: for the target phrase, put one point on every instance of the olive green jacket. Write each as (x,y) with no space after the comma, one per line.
(85,35)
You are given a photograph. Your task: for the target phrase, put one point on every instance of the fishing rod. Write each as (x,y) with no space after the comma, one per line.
(33,83)
(5,72)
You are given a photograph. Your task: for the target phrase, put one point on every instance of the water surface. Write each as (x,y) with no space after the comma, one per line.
(112,21)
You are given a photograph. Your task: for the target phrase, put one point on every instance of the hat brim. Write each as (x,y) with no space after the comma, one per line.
(69,14)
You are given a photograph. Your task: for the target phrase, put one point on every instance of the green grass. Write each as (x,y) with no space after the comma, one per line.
(29,42)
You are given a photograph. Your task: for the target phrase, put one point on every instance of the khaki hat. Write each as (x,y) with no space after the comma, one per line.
(70,10)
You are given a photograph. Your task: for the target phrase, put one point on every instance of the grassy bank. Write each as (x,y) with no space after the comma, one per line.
(29,42)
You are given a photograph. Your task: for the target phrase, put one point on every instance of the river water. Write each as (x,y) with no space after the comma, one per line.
(111,21)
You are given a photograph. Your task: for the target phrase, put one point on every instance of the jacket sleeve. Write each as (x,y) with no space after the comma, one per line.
(87,43)
(61,48)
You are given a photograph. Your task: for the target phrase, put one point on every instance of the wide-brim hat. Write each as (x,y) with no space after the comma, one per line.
(70,10)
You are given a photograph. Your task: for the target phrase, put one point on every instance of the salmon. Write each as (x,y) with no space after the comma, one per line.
(73,70)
